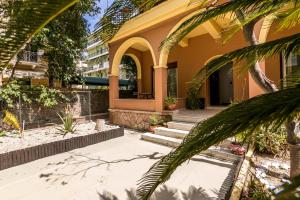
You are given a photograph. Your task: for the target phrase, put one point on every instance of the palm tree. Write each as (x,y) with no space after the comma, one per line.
(20,20)
(270,110)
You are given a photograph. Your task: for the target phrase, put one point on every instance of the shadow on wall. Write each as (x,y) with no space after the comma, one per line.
(164,193)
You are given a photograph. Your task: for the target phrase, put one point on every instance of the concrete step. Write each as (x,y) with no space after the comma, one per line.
(160,139)
(186,118)
(173,133)
(216,152)
(185,126)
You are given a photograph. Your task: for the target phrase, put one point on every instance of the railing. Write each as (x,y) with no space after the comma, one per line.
(98,53)
(90,43)
(28,56)
(96,67)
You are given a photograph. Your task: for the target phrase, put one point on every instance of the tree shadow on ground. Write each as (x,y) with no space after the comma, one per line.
(78,160)
(163,193)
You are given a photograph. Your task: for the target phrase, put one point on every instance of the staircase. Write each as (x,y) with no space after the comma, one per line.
(177,129)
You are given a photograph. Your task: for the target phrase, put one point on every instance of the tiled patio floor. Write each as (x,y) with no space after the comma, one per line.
(110,171)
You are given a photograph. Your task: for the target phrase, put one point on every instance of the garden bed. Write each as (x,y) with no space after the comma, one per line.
(44,142)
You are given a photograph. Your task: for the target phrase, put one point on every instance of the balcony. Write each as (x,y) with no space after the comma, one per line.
(92,42)
(28,56)
(32,61)
(101,52)
(96,68)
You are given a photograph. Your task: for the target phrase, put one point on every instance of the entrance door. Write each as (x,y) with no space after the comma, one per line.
(221,87)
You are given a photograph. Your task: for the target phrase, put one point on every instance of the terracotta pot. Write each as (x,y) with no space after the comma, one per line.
(171,107)
(152,128)
(237,149)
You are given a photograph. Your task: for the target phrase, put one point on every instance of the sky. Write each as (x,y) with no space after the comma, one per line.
(93,20)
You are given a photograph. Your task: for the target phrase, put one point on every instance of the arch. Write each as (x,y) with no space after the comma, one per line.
(212,58)
(122,50)
(209,26)
(265,28)
(164,54)
(137,63)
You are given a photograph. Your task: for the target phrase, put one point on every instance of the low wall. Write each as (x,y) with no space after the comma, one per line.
(22,156)
(82,102)
(134,119)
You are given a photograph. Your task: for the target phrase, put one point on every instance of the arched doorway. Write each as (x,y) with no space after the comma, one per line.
(221,86)
(128,73)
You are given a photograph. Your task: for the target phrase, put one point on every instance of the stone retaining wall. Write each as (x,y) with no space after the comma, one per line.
(138,120)
(22,156)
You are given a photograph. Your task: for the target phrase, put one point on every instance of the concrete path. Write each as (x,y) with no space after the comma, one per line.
(110,171)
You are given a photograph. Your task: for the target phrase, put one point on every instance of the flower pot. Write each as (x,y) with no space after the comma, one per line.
(171,107)
(237,149)
(152,128)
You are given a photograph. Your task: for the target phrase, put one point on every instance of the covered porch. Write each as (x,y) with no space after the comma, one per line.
(162,73)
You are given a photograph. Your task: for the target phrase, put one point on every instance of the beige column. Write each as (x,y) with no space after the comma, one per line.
(160,87)
(113,90)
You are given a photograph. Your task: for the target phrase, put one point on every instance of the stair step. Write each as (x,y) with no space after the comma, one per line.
(173,133)
(185,126)
(186,118)
(159,139)
(216,152)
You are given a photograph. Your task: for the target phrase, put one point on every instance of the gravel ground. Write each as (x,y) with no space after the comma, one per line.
(13,141)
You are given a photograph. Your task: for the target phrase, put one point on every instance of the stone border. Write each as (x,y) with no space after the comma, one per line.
(242,175)
(22,156)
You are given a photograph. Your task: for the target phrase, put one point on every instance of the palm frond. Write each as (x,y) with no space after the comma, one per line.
(20,20)
(285,45)
(268,111)
(289,191)
(258,8)
(11,120)
(290,18)
(120,12)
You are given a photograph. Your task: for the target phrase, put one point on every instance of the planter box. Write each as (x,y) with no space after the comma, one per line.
(22,156)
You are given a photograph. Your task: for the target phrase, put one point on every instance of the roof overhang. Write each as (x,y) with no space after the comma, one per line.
(164,11)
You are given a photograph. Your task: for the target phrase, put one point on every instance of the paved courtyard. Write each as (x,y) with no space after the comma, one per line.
(110,171)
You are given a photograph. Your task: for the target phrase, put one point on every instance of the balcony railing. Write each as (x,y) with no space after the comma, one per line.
(96,67)
(98,53)
(90,43)
(28,56)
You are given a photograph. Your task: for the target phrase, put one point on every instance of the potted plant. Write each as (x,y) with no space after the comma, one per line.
(170,103)
(154,121)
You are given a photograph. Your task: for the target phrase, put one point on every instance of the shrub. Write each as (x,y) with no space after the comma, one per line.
(68,125)
(154,120)
(268,141)
(170,101)
(41,95)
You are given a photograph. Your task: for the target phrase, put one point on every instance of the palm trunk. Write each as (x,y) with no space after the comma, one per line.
(292,126)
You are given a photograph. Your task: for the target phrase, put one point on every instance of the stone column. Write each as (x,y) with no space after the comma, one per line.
(160,87)
(113,90)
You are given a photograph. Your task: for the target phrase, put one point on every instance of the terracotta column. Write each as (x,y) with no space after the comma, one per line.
(160,87)
(113,90)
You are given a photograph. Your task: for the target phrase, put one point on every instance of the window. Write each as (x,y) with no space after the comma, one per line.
(290,66)
(172,80)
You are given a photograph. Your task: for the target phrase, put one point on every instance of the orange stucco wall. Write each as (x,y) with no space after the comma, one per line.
(192,58)
(273,64)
